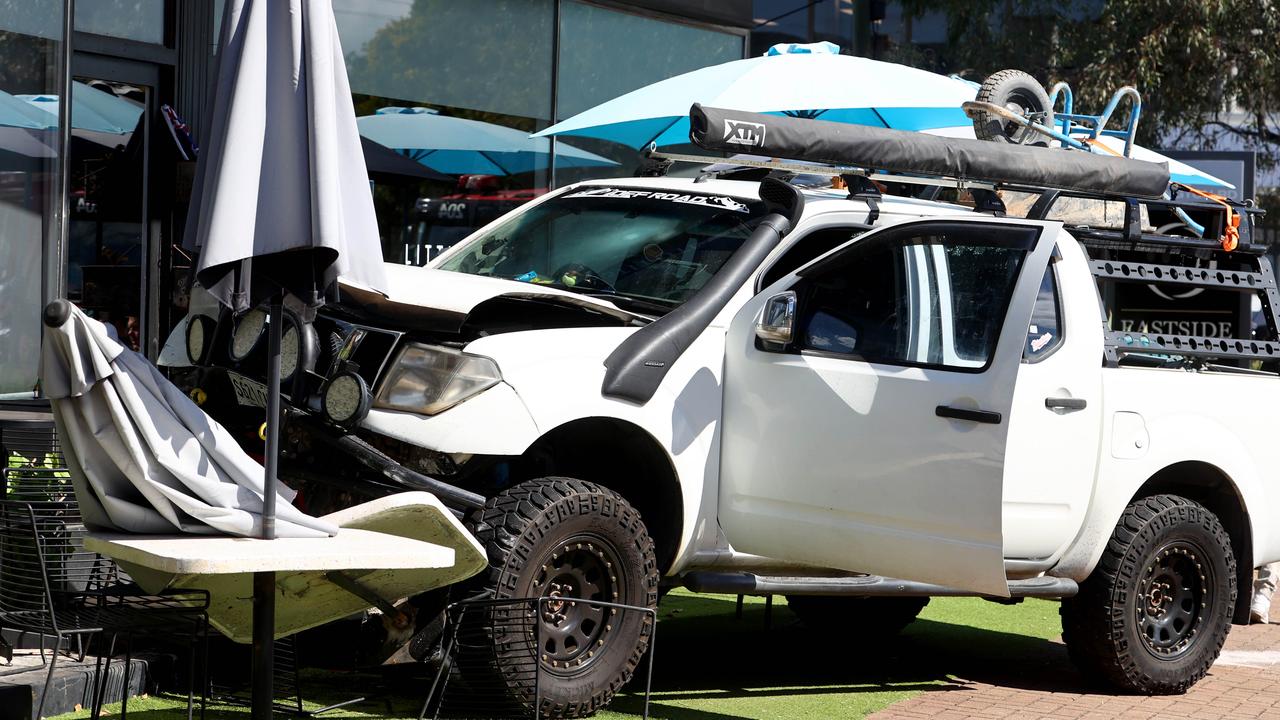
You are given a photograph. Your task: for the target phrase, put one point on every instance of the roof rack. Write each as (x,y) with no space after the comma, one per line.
(1179,257)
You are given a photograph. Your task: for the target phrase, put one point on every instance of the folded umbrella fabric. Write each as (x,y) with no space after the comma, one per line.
(144,458)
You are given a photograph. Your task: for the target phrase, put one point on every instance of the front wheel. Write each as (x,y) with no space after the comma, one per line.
(568,540)
(1155,613)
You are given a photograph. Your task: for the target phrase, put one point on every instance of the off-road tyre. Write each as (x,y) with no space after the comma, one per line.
(1154,614)
(554,529)
(871,618)
(1021,93)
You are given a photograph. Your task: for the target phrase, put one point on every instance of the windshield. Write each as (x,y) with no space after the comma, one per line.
(647,249)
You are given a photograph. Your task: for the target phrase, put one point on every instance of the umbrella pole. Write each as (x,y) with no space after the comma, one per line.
(264,583)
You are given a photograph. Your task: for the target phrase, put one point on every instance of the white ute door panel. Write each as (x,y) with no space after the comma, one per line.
(875,441)
(1056,421)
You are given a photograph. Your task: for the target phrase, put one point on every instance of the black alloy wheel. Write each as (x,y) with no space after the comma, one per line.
(1171,596)
(584,568)
(1155,612)
(567,542)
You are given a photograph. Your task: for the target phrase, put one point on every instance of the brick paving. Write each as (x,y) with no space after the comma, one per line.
(1244,683)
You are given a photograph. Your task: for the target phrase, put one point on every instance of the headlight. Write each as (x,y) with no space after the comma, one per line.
(247,333)
(427,379)
(199,332)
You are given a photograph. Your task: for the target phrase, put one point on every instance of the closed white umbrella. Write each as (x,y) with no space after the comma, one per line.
(281,178)
(282,204)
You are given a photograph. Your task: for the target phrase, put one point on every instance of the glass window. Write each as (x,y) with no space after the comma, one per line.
(646,250)
(30,50)
(780,21)
(833,21)
(936,299)
(1044,334)
(599,49)
(492,56)
(105,232)
(806,249)
(141,20)
(455,87)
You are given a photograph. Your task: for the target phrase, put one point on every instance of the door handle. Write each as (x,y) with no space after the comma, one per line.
(978,416)
(1065,403)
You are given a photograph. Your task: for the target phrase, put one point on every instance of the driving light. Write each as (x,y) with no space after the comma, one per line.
(345,398)
(299,346)
(429,379)
(199,332)
(247,333)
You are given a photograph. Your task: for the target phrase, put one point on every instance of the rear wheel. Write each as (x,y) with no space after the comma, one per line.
(874,617)
(1019,93)
(1155,613)
(568,540)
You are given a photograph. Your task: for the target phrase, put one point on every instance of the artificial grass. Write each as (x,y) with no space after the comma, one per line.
(711,666)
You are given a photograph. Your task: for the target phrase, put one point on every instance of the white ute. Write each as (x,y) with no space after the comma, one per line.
(851,399)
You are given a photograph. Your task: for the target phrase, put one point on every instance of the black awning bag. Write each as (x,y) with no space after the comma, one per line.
(916,153)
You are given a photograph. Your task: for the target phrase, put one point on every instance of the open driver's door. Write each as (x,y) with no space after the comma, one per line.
(873,440)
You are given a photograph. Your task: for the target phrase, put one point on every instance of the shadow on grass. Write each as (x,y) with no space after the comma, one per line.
(704,653)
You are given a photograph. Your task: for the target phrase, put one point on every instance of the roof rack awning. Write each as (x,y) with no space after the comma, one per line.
(918,153)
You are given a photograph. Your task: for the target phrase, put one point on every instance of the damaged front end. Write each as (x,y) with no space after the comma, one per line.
(372,355)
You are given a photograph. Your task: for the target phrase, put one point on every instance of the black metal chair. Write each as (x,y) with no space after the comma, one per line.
(27,581)
(51,586)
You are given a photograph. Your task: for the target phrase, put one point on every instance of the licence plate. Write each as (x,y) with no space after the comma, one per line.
(250,393)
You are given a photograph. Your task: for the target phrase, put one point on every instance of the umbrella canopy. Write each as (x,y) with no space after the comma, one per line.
(91,109)
(143,457)
(811,81)
(387,165)
(1179,172)
(807,81)
(22,142)
(282,178)
(19,113)
(458,146)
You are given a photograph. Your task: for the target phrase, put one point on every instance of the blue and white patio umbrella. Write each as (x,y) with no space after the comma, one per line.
(812,81)
(18,113)
(457,146)
(91,109)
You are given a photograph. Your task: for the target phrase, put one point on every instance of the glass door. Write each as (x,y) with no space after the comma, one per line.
(108,239)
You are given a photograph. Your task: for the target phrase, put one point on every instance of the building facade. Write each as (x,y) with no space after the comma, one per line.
(93,193)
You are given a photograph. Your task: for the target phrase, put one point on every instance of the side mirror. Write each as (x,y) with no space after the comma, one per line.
(777,321)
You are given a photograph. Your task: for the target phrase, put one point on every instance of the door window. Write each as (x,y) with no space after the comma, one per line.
(106,233)
(934,295)
(807,249)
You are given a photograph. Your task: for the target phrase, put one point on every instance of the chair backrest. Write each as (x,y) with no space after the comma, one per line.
(29,443)
(26,596)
